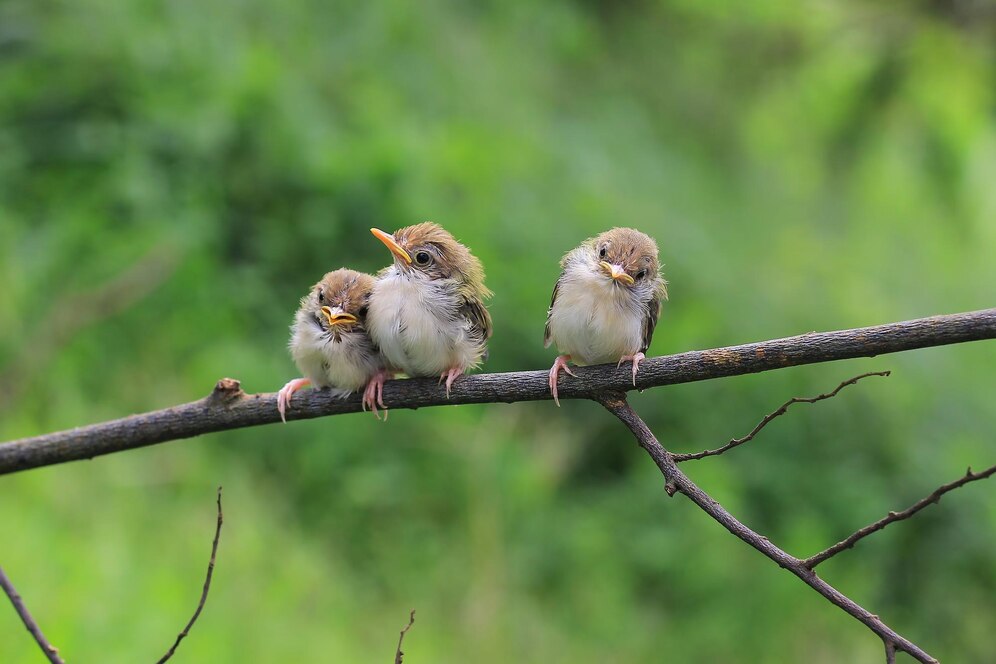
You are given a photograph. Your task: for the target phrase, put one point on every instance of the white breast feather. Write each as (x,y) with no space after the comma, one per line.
(594,320)
(415,323)
(344,365)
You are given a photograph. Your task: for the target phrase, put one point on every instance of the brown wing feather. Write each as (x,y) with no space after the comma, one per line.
(553,298)
(479,317)
(653,313)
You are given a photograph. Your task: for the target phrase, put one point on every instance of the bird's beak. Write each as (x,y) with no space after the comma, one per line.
(616,273)
(392,245)
(337,317)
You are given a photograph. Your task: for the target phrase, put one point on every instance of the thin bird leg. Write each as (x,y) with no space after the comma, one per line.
(285,393)
(558,364)
(373,394)
(636,363)
(450,375)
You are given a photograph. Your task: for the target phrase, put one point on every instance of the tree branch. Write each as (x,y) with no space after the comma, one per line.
(228,407)
(398,655)
(891,517)
(204,591)
(51,652)
(735,442)
(676,481)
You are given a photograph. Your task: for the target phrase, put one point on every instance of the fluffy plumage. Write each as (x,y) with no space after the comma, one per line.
(606,303)
(427,310)
(329,341)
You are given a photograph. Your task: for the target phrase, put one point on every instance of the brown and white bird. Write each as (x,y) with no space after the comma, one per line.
(606,302)
(427,311)
(329,341)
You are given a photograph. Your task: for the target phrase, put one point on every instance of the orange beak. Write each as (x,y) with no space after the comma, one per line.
(392,245)
(616,273)
(338,318)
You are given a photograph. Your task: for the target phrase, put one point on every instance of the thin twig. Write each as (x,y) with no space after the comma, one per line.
(228,407)
(398,656)
(50,651)
(891,517)
(781,410)
(890,652)
(207,586)
(676,481)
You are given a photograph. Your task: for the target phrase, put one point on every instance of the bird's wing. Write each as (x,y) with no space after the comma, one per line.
(553,298)
(650,322)
(480,320)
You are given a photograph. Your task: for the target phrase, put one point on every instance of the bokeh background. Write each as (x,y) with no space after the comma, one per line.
(174,175)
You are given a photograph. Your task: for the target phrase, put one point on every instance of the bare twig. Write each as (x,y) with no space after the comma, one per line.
(398,656)
(204,592)
(50,651)
(676,481)
(891,517)
(228,407)
(735,442)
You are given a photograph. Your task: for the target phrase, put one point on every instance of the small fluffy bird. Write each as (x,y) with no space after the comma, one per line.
(427,311)
(606,302)
(329,342)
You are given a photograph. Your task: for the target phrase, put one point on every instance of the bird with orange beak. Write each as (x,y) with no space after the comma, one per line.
(329,341)
(427,310)
(606,302)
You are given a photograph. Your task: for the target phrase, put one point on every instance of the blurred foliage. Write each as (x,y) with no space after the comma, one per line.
(174,175)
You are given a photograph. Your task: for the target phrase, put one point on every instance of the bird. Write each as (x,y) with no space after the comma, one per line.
(606,303)
(329,341)
(427,310)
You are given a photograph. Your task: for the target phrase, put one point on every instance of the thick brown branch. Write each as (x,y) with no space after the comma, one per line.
(735,442)
(230,408)
(204,591)
(398,655)
(51,652)
(891,517)
(676,481)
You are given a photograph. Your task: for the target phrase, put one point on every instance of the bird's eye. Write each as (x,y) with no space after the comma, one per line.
(362,312)
(601,252)
(641,274)
(423,257)
(321,296)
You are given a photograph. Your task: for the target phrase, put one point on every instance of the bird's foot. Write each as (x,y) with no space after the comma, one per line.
(285,394)
(450,375)
(636,363)
(559,364)
(373,394)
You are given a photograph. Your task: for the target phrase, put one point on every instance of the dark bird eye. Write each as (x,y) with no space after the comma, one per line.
(601,252)
(641,274)
(321,296)
(423,258)
(362,312)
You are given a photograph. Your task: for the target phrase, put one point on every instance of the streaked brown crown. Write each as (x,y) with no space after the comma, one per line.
(344,288)
(445,257)
(635,251)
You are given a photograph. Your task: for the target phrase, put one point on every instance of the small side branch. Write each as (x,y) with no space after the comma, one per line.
(891,517)
(736,442)
(398,655)
(676,481)
(204,592)
(50,651)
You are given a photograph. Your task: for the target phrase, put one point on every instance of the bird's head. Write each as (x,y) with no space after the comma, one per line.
(428,250)
(338,302)
(628,258)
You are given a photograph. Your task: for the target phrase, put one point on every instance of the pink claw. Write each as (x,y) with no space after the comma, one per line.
(636,363)
(373,394)
(285,394)
(450,375)
(558,364)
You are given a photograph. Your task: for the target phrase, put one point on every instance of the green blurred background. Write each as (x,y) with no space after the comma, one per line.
(175,174)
